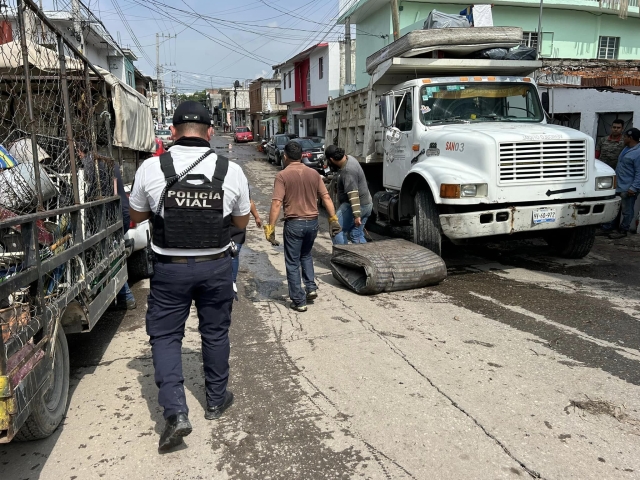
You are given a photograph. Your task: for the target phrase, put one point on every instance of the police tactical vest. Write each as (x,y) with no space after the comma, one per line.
(193,214)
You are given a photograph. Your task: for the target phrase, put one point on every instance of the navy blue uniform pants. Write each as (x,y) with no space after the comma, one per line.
(173,288)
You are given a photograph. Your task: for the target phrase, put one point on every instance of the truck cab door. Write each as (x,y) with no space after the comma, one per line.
(398,155)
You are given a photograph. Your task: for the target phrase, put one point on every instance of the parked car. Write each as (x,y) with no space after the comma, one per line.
(276,145)
(312,154)
(242,134)
(317,141)
(159,148)
(165,136)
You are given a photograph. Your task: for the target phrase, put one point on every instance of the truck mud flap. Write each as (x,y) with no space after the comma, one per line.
(386,266)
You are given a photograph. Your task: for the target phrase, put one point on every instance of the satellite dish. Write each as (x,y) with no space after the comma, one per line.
(393,135)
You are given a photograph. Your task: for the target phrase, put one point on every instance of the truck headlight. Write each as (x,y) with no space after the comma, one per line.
(605,183)
(474,190)
(450,190)
(468,190)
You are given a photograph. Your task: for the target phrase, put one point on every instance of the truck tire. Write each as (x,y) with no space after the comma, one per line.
(426,222)
(137,264)
(278,161)
(572,243)
(49,408)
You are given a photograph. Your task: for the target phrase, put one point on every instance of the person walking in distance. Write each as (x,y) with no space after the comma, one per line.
(194,196)
(608,148)
(355,203)
(298,188)
(628,180)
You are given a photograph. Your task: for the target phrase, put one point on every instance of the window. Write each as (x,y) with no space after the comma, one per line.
(404,120)
(529,39)
(608,48)
(284,81)
(309,85)
(278,96)
(460,102)
(320,67)
(289,79)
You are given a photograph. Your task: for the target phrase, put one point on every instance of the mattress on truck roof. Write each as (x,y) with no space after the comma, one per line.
(457,41)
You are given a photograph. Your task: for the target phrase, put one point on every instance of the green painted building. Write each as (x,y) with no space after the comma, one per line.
(571,29)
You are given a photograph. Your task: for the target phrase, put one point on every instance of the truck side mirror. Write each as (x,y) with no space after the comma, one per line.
(386,110)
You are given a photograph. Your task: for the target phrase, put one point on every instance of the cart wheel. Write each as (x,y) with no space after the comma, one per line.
(48,409)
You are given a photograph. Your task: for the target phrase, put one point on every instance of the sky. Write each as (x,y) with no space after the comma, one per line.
(216,42)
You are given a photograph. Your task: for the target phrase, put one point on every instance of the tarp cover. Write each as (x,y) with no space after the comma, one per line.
(134,123)
(386,266)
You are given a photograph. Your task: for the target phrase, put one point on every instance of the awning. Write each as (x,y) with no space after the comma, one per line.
(314,114)
(134,123)
(267,120)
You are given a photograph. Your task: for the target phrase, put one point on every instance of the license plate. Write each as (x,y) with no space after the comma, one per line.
(544,215)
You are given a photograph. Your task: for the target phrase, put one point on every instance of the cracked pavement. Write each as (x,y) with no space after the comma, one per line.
(518,365)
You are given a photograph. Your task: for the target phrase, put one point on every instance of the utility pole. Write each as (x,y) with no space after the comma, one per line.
(539,31)
(347,50)
(395,18)
(159,73)
(77,25)
(158,77)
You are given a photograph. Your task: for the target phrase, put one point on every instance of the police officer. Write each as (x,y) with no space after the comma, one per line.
(193,197)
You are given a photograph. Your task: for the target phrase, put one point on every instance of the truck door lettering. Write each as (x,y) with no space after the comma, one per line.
(455,147)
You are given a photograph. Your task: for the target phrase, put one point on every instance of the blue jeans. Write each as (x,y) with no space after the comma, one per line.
(349,230)
(299,236)
(125,293)
(236,263)
(625,215)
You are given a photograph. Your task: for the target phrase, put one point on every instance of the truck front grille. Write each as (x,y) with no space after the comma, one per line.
(525,162)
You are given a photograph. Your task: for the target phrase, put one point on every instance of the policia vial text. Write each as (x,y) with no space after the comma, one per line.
(193,199)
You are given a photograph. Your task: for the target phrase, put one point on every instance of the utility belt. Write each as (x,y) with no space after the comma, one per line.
(193,216)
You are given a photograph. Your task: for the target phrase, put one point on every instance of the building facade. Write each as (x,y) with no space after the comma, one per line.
(307,81)
(268,115)
(235,107)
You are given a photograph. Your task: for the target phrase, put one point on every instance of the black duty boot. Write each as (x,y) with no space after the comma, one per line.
(177,426)
(216,412)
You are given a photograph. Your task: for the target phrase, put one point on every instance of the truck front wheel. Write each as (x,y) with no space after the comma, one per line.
(48,407)
(573,242)
(426,223)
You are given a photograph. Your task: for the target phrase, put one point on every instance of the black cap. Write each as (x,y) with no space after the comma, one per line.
(633,133)
(191,112)
(334,153)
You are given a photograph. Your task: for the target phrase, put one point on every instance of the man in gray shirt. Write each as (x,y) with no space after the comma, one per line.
(353,196)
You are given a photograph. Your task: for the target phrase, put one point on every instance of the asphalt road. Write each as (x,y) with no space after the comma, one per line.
(519,364)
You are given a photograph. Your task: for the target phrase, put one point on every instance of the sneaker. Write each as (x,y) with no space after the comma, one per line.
(213,413)
(298,308)
(312,295)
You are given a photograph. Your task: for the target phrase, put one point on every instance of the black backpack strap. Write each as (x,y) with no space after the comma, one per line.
(166,164)
(222,167)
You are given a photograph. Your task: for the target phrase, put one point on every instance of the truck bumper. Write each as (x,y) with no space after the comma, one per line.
(505,221)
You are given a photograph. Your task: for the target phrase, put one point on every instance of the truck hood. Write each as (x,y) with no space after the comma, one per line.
(514,131)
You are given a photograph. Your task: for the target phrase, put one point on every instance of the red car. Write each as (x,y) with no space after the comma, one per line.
(242,134)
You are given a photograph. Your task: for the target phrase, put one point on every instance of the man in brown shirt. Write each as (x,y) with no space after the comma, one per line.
(298,188)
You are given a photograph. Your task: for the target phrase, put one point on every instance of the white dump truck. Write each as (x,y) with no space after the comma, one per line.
(460,148)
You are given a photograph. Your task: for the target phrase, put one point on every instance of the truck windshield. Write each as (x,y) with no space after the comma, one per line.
(479,102)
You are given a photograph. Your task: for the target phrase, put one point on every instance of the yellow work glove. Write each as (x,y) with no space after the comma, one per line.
(334,226)
(270,234)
